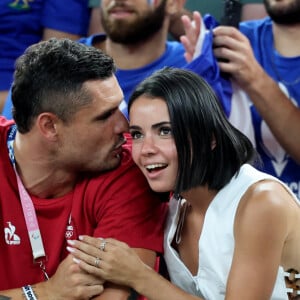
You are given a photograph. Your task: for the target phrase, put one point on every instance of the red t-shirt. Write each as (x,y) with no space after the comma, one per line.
(116,204)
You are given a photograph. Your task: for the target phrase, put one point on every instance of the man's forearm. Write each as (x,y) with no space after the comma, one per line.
(278,111)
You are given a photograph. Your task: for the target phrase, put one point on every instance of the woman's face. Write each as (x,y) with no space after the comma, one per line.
(153,146)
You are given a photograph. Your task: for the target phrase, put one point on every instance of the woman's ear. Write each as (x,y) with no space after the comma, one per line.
(213,143)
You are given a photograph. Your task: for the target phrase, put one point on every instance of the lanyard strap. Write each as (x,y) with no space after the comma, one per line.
(27,205)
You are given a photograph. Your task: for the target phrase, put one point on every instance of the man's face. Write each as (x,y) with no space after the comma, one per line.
(91,141)
(283,11)
(131,22)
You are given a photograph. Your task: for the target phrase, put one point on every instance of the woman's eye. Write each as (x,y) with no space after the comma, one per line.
(135,135)
(165,131)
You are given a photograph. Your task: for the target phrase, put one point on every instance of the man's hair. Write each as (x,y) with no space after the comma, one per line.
(49,78)
(210,150)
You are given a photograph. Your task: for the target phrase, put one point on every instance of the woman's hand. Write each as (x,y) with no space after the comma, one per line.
(109,259)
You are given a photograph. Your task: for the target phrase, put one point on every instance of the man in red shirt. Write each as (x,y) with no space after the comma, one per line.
(65,172)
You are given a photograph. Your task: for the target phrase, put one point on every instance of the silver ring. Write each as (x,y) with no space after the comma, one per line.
(102,245)
(97,262)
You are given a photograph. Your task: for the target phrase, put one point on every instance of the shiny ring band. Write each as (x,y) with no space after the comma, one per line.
(97,262)
(102,245)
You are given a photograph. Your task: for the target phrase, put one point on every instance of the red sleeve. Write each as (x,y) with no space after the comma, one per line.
(129,211)
(5,123)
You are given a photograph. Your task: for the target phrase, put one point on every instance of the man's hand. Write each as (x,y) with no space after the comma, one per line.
(71,282)
(235,56)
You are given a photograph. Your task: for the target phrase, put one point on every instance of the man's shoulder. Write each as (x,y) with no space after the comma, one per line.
(5,124)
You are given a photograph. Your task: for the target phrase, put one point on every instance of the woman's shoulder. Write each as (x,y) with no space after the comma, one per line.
(268,209)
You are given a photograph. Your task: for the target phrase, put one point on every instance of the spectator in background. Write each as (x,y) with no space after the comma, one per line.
(251,9)
(176,28)
(24,23)
(136,36)
(138,46)
(263,58)
(266,65)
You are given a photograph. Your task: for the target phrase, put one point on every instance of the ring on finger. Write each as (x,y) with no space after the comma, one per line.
(102,245)
(97,262)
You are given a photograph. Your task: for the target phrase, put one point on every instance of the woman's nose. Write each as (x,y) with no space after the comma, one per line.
(148,145)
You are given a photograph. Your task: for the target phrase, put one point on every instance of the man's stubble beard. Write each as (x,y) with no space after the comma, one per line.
(289,15)
(141,29)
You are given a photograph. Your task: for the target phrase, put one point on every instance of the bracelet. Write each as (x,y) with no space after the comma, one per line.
(28,292)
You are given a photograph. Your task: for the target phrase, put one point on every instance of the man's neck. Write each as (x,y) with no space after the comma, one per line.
(138,55)
(287,39)
(40,173)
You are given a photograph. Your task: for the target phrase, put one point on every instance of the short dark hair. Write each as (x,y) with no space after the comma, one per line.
(197,121)
(49,78)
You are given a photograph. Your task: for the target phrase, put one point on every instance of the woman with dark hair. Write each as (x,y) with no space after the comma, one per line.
(232,231)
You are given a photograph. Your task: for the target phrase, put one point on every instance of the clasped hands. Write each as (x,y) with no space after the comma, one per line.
(107,259)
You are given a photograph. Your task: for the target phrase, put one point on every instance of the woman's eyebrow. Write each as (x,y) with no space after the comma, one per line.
(154,126)
(157,125)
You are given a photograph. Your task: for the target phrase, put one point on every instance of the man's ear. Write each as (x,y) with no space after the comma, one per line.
(47,123)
